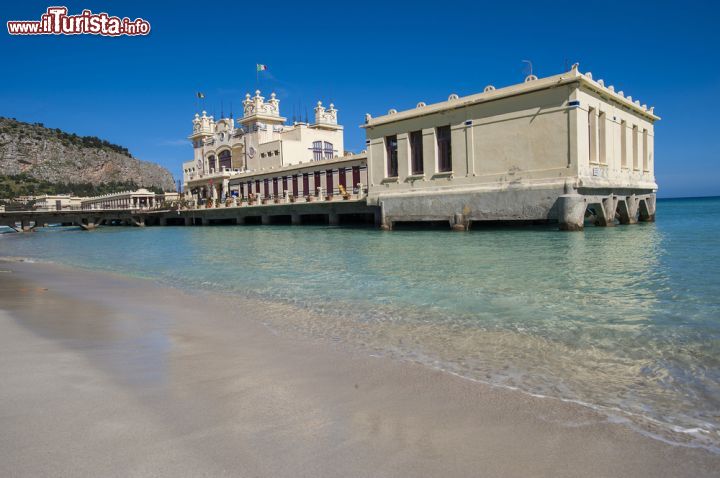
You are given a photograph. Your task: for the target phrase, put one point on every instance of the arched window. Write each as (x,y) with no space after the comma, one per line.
(211,162)
(225,159)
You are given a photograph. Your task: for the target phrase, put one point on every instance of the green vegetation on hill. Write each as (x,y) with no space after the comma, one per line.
(39,131)
(24,185)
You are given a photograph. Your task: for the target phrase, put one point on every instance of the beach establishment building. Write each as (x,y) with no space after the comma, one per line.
(259,156)
(57,202)
(140,199)
(561,148)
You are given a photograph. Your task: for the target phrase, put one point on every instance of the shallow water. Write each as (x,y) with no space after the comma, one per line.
(626,319)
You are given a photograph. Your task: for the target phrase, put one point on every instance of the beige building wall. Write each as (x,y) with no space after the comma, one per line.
(543,136)
(615,145)
(516,152)
(494,144)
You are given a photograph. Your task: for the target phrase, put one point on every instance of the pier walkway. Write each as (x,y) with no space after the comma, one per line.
(337,212)
(573,211)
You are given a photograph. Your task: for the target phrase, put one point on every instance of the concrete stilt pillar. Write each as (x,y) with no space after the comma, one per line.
(87,225)
(295,219)
(188,221)
(458,223)
(333,219)
(628,210)
(647,208)
(385,223)
(571,212)
(265,219)
(378,218)
(606,211)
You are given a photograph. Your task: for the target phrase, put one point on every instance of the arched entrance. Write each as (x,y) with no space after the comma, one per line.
(225,159)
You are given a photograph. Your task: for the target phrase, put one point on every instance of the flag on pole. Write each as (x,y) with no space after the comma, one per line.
(261,67)
(200,95)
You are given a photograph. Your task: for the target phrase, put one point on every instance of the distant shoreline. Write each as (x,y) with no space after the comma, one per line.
(660,198)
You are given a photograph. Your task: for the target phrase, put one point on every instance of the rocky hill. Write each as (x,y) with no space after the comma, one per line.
(55,156)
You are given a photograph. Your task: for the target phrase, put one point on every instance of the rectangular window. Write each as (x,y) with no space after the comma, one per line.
(623,144)
(242,190)
(306,184)
(317,150)
(295,185)
(266,185)
(592,136)
(328,149)
(275,187)
(636,164)
(444,149)
(646,166)
(341,177)
(601,138)
(391,148)
(257,188)
(416,152)
(356,176)
(284,183)
(329,181)
(317,182)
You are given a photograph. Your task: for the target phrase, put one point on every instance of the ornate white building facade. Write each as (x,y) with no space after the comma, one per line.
(259,141)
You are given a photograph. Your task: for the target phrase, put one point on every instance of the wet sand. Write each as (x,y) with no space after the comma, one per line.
(102,375)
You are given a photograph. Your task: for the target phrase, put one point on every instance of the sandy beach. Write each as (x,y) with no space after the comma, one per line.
(110,376)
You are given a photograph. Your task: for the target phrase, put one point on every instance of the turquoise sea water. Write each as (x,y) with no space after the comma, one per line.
(624,319)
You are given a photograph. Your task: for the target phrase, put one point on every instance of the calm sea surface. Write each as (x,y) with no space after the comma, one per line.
(625,319)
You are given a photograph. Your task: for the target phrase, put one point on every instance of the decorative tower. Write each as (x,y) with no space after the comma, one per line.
(326,118)
(262,123)
(203,130)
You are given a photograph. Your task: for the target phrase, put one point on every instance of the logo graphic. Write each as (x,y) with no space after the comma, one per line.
(56,21)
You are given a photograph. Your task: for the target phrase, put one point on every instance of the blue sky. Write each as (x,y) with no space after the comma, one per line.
(365,57)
